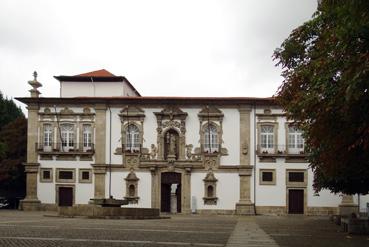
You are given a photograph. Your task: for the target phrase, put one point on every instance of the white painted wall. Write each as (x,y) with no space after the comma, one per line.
(118,187)
(89,89)
(83,191)
(231,136)
(228,190)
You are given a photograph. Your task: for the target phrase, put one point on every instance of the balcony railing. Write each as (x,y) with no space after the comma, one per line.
(131,148)
(58,147)
(212,149)
(280,150)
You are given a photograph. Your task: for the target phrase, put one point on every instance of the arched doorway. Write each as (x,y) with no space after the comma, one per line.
(171,144)
(171,189)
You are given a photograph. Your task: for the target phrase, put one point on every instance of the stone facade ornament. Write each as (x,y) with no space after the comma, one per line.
(210,183)
(171,133)
(35,85)
(153,152)
(189,154)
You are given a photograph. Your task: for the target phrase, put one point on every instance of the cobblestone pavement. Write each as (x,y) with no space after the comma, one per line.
(302,231)
(19,228)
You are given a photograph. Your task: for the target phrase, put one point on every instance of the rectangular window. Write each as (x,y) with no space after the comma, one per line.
(295,140)
(296,176)
(48,135)
(65,175)
(266,144)
(267,176)
(87,136)
(67,136)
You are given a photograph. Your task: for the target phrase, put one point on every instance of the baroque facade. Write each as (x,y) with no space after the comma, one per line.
(102,139)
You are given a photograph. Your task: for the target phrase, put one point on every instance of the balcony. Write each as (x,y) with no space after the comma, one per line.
(64,148)
(213,149)
(280,151)
(134,148)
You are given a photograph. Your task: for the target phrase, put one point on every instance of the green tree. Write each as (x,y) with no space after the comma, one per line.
(12,176)
(8,111)
(325,90)
(13,145)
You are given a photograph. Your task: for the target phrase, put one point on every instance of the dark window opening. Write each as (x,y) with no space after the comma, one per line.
(296,176)
(131,190)
(46,175)
(210,191)
(65,175)
(86,175)
(267,176)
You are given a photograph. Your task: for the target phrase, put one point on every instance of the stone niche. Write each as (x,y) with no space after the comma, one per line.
(171,133)
(132,188)
(210,189)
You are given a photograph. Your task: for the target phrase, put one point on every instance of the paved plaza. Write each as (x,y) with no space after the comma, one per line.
(18,228)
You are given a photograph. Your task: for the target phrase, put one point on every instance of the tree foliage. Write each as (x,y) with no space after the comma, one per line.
(325,90)
(13,148)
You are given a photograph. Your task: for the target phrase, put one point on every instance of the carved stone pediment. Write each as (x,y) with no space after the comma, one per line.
(66,111)
(211,113)
(131,113)
(170,113)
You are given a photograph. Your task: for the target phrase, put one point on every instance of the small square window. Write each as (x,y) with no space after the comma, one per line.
(267,177)
(85,176)
(46,175)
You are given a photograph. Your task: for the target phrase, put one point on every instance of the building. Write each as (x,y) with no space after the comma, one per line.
(100,138)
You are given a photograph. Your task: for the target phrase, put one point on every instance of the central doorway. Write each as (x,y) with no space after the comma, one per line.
(171,192)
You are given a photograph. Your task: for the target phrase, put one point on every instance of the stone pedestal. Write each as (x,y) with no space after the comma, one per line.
(245,209)
(347,206)
(245,206)
(31,202)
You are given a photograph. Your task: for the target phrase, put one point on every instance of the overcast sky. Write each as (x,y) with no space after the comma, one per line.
(164,48)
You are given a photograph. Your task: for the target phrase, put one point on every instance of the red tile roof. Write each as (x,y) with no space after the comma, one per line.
(98,73)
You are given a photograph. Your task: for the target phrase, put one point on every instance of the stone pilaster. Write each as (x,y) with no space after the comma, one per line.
(245,205)
(186,190)
(155,203)
(347,206)
(100,142)
(31,201)
(100,173)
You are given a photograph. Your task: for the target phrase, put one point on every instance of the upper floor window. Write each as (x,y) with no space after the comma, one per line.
(67,136)
(132,138)
(211,139)
(87,137)
(295,140)
(267,136)
(48,135)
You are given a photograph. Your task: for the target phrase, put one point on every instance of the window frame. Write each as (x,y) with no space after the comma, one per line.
(72,180)
(267,150)
(297,184)
(80,177)
(274,179)
(42,179)
(294,149)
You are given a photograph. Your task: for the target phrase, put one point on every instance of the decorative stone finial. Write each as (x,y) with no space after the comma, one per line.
(35,84)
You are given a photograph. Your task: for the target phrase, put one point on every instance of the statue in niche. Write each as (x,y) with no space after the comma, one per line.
(189,151)
(153,152)
(171,144)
